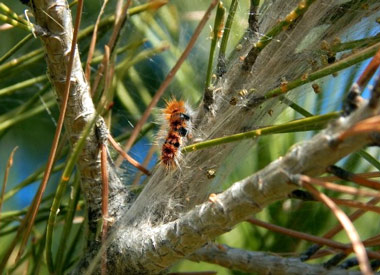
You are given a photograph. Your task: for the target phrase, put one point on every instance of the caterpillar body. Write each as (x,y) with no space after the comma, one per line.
(178,117)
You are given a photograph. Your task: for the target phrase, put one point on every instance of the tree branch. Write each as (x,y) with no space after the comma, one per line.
(259,262)
(54,17)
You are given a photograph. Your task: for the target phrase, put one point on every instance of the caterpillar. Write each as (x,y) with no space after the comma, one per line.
(178,117)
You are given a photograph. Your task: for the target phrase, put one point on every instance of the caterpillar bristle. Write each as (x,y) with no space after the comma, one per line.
(178,119)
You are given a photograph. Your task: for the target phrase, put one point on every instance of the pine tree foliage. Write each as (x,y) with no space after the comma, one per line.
(284,52)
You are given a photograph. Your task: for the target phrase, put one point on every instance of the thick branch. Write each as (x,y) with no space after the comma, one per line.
(54,17)
(260,262)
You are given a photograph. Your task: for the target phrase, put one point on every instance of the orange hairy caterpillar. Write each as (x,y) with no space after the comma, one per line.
(177,115)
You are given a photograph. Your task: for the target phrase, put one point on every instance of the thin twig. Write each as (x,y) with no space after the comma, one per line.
(362,175)
(111,44)
(105,65)
(357,204)
(373,241)
(365,126)
(108,93)
(375,94)
(346,248)
(335,230)
(131,160)
(299,235)
(93,42)
(369,71)
(346,175)
(342,188)
(352,98)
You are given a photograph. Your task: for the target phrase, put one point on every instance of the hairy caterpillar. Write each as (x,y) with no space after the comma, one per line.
(178,116)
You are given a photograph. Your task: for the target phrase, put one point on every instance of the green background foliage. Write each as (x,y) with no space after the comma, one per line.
(139,74)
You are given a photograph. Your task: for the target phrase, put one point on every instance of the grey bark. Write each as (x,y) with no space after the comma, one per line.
(172,217)
(261,263)
(53,18)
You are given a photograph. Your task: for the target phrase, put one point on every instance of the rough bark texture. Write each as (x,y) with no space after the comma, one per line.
(54,18)
(170,219)
(260,263)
